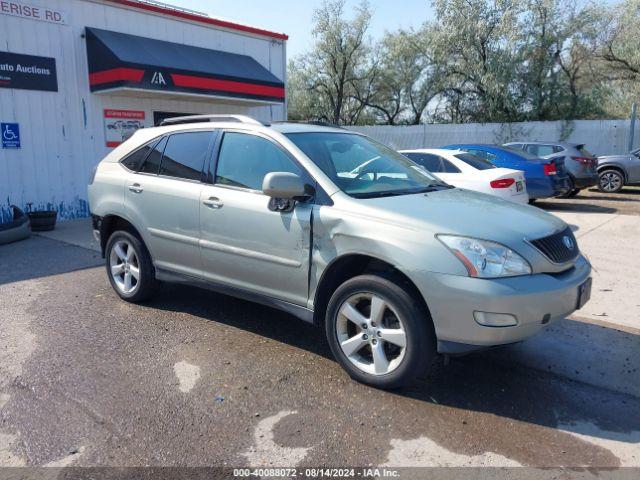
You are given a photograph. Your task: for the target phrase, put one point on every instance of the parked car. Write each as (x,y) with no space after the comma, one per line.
(464,170)
(616,171)
(579,162)
(545,178)
(395,265)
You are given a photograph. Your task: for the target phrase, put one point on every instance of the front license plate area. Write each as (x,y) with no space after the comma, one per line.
(584,293)
(519,186)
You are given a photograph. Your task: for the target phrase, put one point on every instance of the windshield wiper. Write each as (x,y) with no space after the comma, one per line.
(394,193)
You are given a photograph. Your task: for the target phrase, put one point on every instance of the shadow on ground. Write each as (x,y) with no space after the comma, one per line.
(485,382)
(578,207)
(40,257)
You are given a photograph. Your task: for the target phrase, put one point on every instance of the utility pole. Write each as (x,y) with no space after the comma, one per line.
(632,129)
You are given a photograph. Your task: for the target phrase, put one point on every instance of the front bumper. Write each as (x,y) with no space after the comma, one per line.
(535,300)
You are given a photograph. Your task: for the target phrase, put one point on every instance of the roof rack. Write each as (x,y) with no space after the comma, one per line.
(210,118)
(312,122)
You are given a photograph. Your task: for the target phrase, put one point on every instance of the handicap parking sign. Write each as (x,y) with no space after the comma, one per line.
(10,133)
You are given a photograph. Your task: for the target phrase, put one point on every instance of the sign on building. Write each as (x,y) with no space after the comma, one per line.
(28,72)
(121,124)
(32,12)
(10,135)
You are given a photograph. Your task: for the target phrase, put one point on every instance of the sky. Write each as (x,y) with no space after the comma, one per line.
(295,17)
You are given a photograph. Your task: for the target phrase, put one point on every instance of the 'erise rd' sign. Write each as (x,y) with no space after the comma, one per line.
(33,12)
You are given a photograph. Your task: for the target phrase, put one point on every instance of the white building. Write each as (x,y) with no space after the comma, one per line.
(78,76)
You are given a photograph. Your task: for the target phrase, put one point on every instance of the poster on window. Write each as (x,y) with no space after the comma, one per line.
(119,125)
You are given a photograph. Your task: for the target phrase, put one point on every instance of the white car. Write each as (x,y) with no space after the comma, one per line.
(464,170)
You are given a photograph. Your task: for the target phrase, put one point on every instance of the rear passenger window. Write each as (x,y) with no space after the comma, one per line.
(134,160)
(448,167)
(427,160)
(185,154)
(152,162)
(541,150)
(245,160)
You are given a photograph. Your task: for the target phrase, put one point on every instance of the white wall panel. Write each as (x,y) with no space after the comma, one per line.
(602,137)
(62,133)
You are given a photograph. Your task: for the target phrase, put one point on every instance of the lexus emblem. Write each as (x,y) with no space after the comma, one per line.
(567,242)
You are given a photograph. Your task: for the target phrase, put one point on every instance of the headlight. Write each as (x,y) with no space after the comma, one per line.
(486,259)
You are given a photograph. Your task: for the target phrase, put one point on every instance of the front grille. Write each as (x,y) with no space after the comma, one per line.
(560,247)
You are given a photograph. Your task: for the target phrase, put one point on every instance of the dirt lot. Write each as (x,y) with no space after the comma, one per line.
(626,202)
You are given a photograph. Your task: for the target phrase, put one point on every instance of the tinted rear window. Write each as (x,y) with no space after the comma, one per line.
(152,163)
(584,151)
(185,154)
(476,162)
(427,160)
(134,160)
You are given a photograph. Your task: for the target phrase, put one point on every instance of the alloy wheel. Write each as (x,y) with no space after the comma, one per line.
(124,267)
(610,182)
(371,334)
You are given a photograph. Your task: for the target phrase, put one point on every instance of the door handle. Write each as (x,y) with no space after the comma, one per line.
(213,202)
(136,188)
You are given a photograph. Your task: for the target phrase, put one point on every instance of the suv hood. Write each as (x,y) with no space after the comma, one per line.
(467,213)
(614,158)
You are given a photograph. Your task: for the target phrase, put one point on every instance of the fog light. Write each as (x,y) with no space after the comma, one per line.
(489,319)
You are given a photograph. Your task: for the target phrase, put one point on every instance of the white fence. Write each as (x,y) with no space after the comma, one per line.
(602,137)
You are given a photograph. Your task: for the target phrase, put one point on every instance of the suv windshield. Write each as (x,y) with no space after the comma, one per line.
(362,167)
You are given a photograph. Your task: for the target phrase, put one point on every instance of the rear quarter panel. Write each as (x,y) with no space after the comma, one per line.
(106,193)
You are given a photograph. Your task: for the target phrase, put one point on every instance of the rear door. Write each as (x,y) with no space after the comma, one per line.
(244,243)
(163,200)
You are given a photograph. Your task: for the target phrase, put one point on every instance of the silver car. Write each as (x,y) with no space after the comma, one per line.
(616,171)
(395,265)
(580,163)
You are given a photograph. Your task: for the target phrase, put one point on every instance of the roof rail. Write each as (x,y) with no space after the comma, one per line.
(318,123)
(210,118)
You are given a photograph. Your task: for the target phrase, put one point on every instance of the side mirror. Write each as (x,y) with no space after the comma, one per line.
(284,185)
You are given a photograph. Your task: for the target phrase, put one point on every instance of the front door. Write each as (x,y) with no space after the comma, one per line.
(163,199)
(243,243)
(634,167)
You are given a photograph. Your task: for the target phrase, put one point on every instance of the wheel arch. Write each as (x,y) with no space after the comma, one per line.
(111,223)
(348,266)
(612,166)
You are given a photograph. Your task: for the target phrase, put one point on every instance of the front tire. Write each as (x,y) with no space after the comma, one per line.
(379,332)
(610,181)
(129,267)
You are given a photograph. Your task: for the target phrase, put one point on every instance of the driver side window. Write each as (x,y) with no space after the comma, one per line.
(244,160)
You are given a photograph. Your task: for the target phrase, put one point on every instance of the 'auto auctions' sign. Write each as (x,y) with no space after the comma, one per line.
(32,12)
(28,72)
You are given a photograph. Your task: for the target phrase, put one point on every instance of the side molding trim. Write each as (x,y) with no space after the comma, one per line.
(298,311)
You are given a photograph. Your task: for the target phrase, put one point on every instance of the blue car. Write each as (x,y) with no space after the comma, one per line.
(545,178)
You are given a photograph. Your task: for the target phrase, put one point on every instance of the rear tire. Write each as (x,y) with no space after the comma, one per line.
(610,181)
(573,193)
(129,267)
(369,319)
(572,189)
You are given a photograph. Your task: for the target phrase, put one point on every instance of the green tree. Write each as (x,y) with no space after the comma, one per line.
(334,81)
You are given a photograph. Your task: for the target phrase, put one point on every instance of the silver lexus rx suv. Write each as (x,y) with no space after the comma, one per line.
(395,265)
